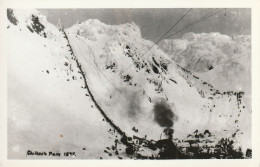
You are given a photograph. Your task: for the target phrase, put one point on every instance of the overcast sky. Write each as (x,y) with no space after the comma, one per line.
(155,22)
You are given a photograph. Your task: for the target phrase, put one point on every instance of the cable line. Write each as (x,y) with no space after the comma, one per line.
(160,38)
(168,31)
(195,22)
(215,11)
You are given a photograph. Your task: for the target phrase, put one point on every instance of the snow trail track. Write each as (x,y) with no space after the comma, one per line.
(88,89)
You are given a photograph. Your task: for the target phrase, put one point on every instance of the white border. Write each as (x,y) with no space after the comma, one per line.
(253,4)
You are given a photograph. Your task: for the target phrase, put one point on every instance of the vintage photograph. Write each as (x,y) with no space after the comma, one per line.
(129,83)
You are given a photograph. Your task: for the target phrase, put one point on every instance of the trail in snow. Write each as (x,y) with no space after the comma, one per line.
(87,87)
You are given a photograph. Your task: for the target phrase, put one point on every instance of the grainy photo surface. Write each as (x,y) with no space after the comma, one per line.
(129,83)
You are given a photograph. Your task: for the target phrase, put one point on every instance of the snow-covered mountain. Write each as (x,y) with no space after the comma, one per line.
(221,60)
(89,89)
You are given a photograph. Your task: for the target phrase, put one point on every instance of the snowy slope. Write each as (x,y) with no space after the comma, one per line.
(141,94)
(47,108)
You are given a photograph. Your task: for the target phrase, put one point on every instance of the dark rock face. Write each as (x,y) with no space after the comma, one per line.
(11,17)
(37,26)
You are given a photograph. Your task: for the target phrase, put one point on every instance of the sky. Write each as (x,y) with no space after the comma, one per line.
(154,22)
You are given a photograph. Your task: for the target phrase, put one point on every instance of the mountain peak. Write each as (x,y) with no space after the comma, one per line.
(31,20)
